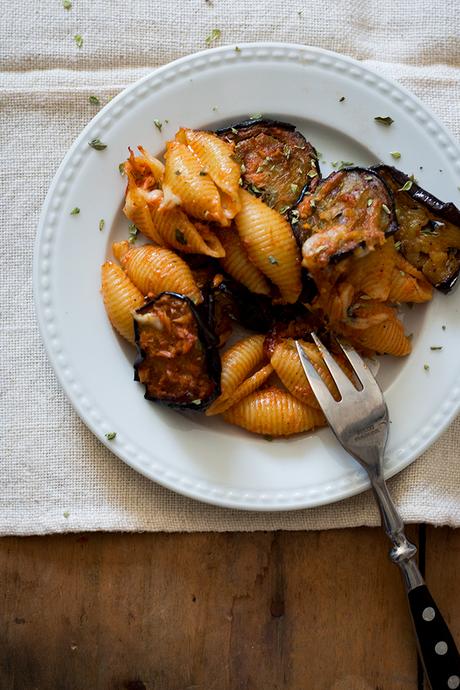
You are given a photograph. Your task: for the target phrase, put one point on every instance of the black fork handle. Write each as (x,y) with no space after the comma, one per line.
(438,651)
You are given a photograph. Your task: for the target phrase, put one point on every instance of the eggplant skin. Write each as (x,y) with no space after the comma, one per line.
(424,221)
(327,234)
(211,365)
(444,209)
(250,122)
(277,163)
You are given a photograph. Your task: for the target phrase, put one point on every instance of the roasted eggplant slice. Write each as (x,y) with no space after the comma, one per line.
(177,358)
(277,163)
(429,229)
(350,209)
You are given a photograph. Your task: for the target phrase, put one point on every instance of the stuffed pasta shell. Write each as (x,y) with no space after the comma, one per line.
(248,386)
(121,297)
(239,361)
(287,365)
(268,240)
(372,274)
(145,170)
(408,284)
(244,369)
(144,173)
(236,263)
(376,328)
(175,230)
(217,158)
(155,269)
(188,184)
(274,412)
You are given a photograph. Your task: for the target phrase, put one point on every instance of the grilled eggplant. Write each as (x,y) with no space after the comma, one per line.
(277,163)
(350,209)
(178,361)
(429,229)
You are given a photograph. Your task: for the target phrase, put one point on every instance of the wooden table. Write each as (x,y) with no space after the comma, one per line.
(258,611)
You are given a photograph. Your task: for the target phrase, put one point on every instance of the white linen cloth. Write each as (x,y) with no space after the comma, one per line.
(55,475)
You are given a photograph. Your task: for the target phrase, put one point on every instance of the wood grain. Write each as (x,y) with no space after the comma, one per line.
(442,574)
(298,611)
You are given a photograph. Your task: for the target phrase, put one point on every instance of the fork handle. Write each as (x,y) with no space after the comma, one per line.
(437,649)
(439,655)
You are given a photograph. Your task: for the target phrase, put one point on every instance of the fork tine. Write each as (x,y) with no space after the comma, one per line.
(360,367)
(317,384)
(344,385)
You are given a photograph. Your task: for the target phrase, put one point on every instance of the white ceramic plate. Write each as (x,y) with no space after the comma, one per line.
(205,458)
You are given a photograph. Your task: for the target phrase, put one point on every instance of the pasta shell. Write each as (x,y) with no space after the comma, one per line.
(239,361)
(145,171)
(136,207)
(183,184)
(155,269)
(384,334)
(236,263)
(119,249)
(270,244)
(137,211)
(274,412)
(249,386)
(120,297)
(286,363)
(406,288)
(156,167)
(336,301)
(372,274)
(363,315)
(409,284)
(216,157)
(177,231)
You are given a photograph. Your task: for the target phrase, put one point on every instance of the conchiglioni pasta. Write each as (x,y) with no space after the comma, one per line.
(274,412)
(408,284)
(372,274)
(217,159)
(136,209)
(406,288)
(268,240)
(248,386)
(155,269)
(335,301)
(177,231)
(145,170)
(286,363)
(239,361)
(144,174)
(187,183)
(377,328)
(237,264)
(121,298)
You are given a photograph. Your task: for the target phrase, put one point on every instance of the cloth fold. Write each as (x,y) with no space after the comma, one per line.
(56,476)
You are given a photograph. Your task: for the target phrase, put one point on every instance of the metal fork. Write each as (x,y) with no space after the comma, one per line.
(359,420)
